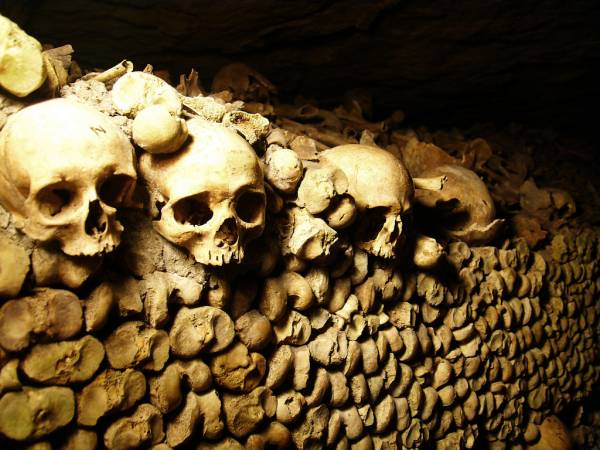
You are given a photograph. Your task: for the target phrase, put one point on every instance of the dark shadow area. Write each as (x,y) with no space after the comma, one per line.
(444,63)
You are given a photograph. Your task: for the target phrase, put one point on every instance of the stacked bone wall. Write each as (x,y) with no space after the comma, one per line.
(481,357)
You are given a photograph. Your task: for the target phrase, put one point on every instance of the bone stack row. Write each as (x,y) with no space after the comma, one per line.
(487,355)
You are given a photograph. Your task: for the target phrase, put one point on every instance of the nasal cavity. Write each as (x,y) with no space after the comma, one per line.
(95,223)
(227,232)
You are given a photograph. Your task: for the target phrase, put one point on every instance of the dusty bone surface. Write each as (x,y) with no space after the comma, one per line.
(265,286)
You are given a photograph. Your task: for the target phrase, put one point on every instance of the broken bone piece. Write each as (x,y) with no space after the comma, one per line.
(329,348)
(311,431)
(215,213)
(189,85)
(111,73)
(320,186)
(280,365)
(65,169)
(136,91)
(22,68)
(98,306)
(253,127)
(210,411)
(208,108)
(9,377)
(290,405)
(305,236)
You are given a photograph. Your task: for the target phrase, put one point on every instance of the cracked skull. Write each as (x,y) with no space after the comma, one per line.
(209,197)
(64,171)
(383,192)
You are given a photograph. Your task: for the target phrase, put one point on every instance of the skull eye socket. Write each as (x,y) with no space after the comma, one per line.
(249,206)
(372,222)
(55,199)
(114,189)
(192,210)
(451,214)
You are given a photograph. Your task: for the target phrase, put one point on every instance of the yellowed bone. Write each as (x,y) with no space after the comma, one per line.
(430,184)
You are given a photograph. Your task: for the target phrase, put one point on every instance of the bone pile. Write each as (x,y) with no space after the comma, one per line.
(191,269)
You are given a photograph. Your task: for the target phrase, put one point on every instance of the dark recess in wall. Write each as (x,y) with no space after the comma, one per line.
(443,62)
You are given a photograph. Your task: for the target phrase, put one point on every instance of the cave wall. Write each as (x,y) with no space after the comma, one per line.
(442,62)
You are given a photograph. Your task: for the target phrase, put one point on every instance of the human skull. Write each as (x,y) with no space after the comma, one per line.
(383,192)
(64,170)
(463,208)
(209,197)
